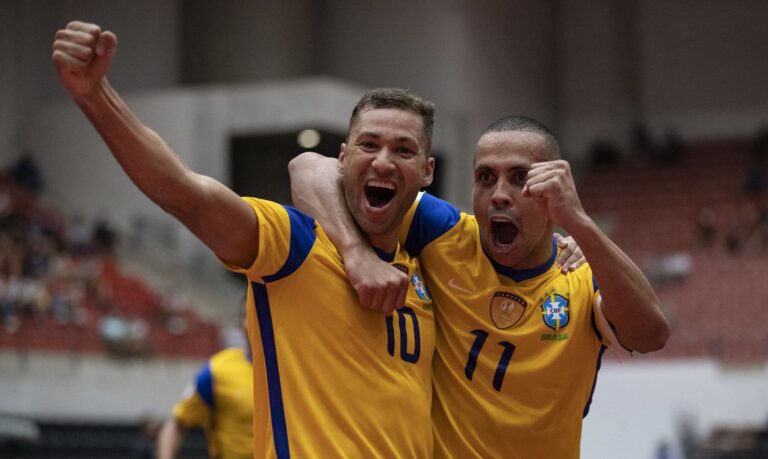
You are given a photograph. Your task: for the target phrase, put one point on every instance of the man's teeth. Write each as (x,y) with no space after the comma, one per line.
(381,184)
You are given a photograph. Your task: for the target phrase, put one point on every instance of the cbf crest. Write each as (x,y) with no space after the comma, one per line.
(555,312)
(507,309)
(418,285)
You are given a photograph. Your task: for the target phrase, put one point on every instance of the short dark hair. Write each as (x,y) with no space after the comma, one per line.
(401,99)
(521,123)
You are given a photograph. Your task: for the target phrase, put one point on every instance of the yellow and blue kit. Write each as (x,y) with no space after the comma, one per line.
(518,351)
(221,403)
(335,379)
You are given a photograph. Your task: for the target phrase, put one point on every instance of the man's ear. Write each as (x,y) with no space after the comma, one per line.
(342,158)
(429,170)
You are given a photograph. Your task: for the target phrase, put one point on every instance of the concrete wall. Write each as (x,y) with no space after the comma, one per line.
(639,404)
(149,54)
(703,66)
(52,386)
(83,177)
(587,69)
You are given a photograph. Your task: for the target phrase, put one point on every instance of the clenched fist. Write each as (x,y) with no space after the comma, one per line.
(82,54)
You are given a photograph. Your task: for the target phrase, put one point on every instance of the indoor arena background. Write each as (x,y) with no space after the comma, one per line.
(661,106)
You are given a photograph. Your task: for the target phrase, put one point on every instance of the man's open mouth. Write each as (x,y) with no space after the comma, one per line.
(503,232)
(379,195)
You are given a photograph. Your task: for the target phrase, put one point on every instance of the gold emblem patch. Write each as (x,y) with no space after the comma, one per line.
(506,309)
(401,267)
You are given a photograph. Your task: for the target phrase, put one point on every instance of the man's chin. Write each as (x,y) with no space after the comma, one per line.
(504,254)
(376,224)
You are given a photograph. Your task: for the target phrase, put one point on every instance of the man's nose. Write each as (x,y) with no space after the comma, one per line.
(383,162)
(502,195)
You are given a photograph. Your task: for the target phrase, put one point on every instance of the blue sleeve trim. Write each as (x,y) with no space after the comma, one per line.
(204,385)
(594,283)
(302,239)
(276,408)
(433,218)
(595,328)
(594,382)
(384,256)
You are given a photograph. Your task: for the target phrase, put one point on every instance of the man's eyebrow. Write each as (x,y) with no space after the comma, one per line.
(512,168)
(376,135)
(369,134)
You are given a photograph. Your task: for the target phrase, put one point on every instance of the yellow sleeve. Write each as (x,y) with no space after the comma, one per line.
(192,411)
(607,334)
(408,219)
(274,239)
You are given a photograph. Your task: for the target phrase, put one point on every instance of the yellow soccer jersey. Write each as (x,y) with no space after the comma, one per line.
(221,402)
(341,381)
(517,351)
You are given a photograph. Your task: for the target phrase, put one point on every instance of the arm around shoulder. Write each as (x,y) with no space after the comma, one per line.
(317,190)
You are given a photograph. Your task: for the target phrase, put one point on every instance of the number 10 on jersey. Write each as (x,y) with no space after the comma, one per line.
(403,314)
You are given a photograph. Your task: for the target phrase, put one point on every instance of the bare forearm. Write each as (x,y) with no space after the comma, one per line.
(213,212)
(317,190)
(318,195)
(630,303)
(149,162)
(169,439)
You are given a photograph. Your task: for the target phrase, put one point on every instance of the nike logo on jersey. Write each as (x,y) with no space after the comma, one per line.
(455,286)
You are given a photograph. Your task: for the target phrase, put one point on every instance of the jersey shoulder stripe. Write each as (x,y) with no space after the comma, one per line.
(204,385)
(432,218)
(302,238)
(594,381)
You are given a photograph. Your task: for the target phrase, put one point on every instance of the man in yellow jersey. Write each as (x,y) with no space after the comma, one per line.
(519,341)
(220,401)
(331,379)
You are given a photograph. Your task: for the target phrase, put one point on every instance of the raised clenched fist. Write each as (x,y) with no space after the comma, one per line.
(82,54)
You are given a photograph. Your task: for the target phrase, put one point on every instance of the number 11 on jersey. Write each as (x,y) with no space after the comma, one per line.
(501,369)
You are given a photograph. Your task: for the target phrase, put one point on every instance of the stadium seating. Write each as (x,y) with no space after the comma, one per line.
(652,210)
(90,286)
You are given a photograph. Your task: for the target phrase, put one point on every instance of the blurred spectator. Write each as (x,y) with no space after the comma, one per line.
(663,451)
(669,268)
(757,165)
(642,143)
(735,237)
(114,332)
(741,228)
(6,205)
(673,149)
(144,446)
(48,271)
(78,239)
(137,336)
(60,305)
(26,172)
(706,226)
(604,154)
(6,305)
(104,236)
(177,325)
(761,225)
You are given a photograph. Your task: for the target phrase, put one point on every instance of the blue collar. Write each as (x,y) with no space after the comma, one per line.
(388,257)
(519,275)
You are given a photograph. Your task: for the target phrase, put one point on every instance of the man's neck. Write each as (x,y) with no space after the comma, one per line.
(384,244)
